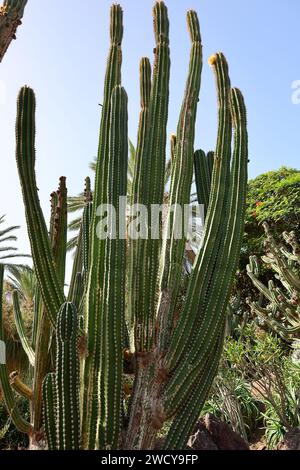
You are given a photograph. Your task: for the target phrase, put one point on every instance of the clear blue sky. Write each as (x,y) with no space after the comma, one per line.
(61,52)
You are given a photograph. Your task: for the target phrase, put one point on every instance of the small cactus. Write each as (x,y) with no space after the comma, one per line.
(281,307)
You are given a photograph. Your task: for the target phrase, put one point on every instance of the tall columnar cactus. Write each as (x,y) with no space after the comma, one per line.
(11,14)
(279,306)
(203,173)
(126,290)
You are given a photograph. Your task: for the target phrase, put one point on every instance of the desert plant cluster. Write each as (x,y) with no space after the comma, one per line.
(151,334)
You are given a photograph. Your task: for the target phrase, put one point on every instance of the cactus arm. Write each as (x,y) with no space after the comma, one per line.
(22,389)
(82,254)
(291,239)
(184,422)
(86,224)
(77,266)
(182,175)
(21,424)
(134,267)
(203,173)
(203,270)
(282,312)
(210,162)
(50,410)
(212,319)
(11,14)
(264,314)
(67,379)
(151,190)
(259,285)
(77,291)
(21,330)
(113,308)
(97,269)
(47,277)
(44,339)
(112,78)
(58,229)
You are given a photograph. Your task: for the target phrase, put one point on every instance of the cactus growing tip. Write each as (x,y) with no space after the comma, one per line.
(212,60)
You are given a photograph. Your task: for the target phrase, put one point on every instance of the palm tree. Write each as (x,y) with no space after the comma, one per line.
(23,280)
(7,252)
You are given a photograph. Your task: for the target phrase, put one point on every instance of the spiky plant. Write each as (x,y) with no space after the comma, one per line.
(279,303)
(101,333)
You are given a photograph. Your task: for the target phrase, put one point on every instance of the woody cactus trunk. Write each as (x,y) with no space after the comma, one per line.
(11,14)
(120,323)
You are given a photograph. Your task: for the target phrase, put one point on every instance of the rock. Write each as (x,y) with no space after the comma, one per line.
(159,443)
(223,436)
(291,440)
(201,439)
(213,434)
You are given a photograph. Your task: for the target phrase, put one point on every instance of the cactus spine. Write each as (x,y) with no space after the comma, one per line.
(173,354)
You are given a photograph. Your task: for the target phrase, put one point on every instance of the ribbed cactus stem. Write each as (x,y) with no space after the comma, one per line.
(48,279)
(50,410)
(21,424)
(204,267)
(212,320)
(134,268)
(203,174)
(21,329)
(181,181)
(112,78)
(58,229)
(67,379)
(282,312)
(210,162)
(173,142)
(97,253)
(184,422)
(86,228)
(88,195)
(161,22)
(172,350)
(151,190)
(19,386)
(113,308)
(77,291)
(45,344)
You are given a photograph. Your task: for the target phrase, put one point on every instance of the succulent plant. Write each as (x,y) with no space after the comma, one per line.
(122,301)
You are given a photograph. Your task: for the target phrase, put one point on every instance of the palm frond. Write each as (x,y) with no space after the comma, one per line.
(72,243)
(8,248)
(75,224)
(10,238)
(93,164)
(8,230)
(14,256)
(23,280)
(7,236)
